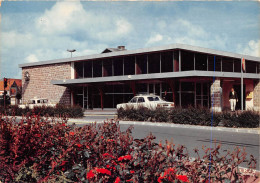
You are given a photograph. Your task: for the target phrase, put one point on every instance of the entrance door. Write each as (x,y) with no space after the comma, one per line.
(237,88)
(202,94)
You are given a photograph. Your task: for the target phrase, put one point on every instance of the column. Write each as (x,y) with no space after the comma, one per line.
(215,92)
(256,96)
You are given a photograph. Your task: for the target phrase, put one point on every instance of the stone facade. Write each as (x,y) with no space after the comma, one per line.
(215,92)
(40,85)
(256,96)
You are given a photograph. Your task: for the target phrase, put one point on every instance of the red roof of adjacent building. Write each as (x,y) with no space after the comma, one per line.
(10,82)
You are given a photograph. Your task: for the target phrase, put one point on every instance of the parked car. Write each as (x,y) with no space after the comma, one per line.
(146,101)
(36,102)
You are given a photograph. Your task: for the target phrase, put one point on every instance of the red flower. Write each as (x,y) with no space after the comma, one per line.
(132,171)
(72,133)
(127,157)
(63,124)
(37,135)
(79,145)
(129,180)
(117,180)
(90,174)
(160,179)
(183,178)
(110,140)
(103,171)
(63,163)
(102,137)
(107,154)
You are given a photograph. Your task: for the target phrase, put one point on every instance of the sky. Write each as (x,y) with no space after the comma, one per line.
(44,30)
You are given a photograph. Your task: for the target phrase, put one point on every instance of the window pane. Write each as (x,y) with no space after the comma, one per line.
(78,70)
(88,69)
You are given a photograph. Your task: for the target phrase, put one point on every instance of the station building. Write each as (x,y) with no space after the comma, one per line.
(187,75)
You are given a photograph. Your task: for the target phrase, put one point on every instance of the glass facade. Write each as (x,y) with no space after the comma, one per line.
(160,62)
(183,93)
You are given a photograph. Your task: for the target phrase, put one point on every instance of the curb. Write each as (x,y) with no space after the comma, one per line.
(170,125)
(238,130)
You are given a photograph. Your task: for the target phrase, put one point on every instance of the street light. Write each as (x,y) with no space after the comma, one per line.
(71,51)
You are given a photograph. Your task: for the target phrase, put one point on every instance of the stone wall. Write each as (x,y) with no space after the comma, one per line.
(256,96)
(215,93)
(40,85)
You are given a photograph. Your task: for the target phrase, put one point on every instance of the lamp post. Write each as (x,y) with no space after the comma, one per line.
(71,52)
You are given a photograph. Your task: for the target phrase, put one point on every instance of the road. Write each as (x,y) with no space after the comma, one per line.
(194,138)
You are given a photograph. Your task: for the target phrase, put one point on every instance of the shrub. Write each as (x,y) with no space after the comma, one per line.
(193,116)
(39,151)
(57,111)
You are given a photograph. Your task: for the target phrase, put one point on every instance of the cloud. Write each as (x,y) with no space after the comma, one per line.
(70,18)
(155,38)
(32,58)
(186,32)
(252,48)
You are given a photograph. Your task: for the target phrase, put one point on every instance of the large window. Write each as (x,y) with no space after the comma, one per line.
(78,70)
(187,60)
(237,65)
(129,65)
(214,66)
(141,61)
(107,67)
(227,64)
(118,66)
(97,68)
(200,61)
(88,69)
(154,63)
(167,61)
(251,67)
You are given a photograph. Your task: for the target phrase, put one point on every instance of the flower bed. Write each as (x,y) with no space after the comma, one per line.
(40,151)
(192,116)
(57,111)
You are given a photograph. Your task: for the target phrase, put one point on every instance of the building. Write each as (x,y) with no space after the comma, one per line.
(187,75)
(14,86)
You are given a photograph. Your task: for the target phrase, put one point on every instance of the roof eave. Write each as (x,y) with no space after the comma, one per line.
(143,50)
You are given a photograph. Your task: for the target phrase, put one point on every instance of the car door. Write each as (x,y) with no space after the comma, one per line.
(140,102)
(132,103)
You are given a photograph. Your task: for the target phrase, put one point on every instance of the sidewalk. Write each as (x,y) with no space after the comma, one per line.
(100,112)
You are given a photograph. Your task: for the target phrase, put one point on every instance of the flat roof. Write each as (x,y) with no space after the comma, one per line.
(210,74)
(143,50)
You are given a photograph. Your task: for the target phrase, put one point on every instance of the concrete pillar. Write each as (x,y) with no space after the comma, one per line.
(256,96)
(215,93)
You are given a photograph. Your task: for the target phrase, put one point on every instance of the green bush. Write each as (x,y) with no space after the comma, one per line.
(57,111)
(192,116)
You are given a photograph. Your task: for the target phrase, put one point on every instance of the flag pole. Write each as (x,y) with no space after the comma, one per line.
(242,91)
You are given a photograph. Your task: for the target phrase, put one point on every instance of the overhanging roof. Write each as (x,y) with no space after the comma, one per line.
(211,74)
(144,50)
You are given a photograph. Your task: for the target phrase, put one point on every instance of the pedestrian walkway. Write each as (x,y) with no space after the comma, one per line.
(100,112)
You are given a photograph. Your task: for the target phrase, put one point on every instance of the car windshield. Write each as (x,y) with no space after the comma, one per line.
(31,101)
(151,99)
(133,100)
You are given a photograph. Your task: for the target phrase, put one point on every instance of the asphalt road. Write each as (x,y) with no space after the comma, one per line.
(194,138)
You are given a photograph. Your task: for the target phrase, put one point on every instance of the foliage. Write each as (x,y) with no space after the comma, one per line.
(57,111)
(37,150)
(192,116)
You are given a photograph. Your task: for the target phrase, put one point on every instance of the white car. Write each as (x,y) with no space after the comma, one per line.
(36,102)
(146,101)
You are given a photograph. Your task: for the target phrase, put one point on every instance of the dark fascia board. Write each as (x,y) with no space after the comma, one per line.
(143,50)
(155,76)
